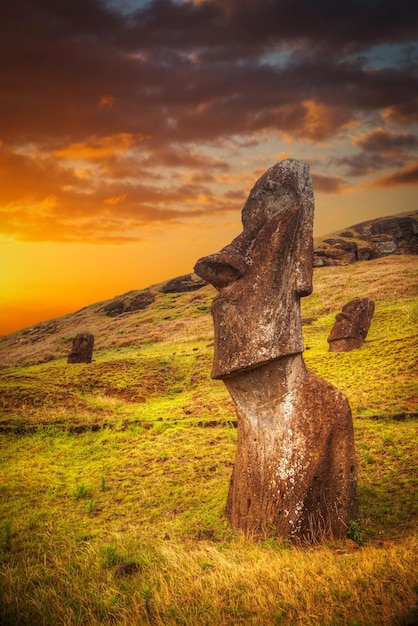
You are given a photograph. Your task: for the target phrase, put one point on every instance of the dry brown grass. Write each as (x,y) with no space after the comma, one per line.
(92,475)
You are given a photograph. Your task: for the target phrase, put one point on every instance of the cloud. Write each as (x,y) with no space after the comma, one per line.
(184,157)
(380,149)
(251,23)
(329,184)
(185,72)
(361,164)
(407,176)
(383,141)
(97,148)
(403,113)
(115,199)
(56,202)
(100,104)
(106,101)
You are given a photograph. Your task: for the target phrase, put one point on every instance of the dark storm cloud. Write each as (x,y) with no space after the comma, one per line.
(106,99)
(384,142)
(257,24)
(190,71)
(406,176)
(328,184)
(361,164)
(379,149)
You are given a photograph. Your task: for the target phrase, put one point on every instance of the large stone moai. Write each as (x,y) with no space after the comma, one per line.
(82,349)
(295,469)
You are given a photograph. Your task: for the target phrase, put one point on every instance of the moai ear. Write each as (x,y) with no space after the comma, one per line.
(304,252)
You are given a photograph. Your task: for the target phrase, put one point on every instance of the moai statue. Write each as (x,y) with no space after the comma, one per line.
(295,468)
(351,325)
(82,349)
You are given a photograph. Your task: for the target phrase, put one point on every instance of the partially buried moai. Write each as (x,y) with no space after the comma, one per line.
(295,469)
(351,325)
(82,348)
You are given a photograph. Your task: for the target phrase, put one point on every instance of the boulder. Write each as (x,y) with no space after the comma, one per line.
(188,282)
(141,301)
(129,304)
(114,308)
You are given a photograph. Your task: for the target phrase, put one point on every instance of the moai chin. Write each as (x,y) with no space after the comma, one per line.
(295,470)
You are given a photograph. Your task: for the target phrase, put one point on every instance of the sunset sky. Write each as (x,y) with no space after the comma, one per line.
(132,130)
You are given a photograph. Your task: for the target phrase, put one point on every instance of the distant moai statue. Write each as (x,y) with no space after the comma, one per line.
(82,349)
(295,472)
(351,325)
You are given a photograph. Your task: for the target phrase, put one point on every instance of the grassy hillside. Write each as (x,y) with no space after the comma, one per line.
(128,459)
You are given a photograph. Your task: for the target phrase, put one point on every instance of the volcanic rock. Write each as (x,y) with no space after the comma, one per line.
(188,282)
(371,239)
(114,308)
(128,304)
(140,301)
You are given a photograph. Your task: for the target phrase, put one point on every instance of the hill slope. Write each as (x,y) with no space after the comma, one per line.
(128,460)
(183,319)
(139,315)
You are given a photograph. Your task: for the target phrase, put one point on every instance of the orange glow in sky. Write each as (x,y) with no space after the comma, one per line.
(129,139)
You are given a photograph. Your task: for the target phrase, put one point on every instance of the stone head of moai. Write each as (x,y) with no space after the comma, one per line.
(351,325)
(262,274)
(82,349)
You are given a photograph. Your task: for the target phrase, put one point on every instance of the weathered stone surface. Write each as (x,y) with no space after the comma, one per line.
(373,239)
(128,304)
(295,469)
(39,332)
(82,349)
(351,325)
(188,282)
(140,301)
(257,318)
(114,308)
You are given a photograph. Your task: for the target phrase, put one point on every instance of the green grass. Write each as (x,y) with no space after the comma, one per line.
(129,459)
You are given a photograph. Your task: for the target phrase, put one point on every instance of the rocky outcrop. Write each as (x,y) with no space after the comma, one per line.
(294,474)
(129,304)
(82,349)
(114,308)
(372,239)
(39,332)
(140,301)
(351,325)
(188,282)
